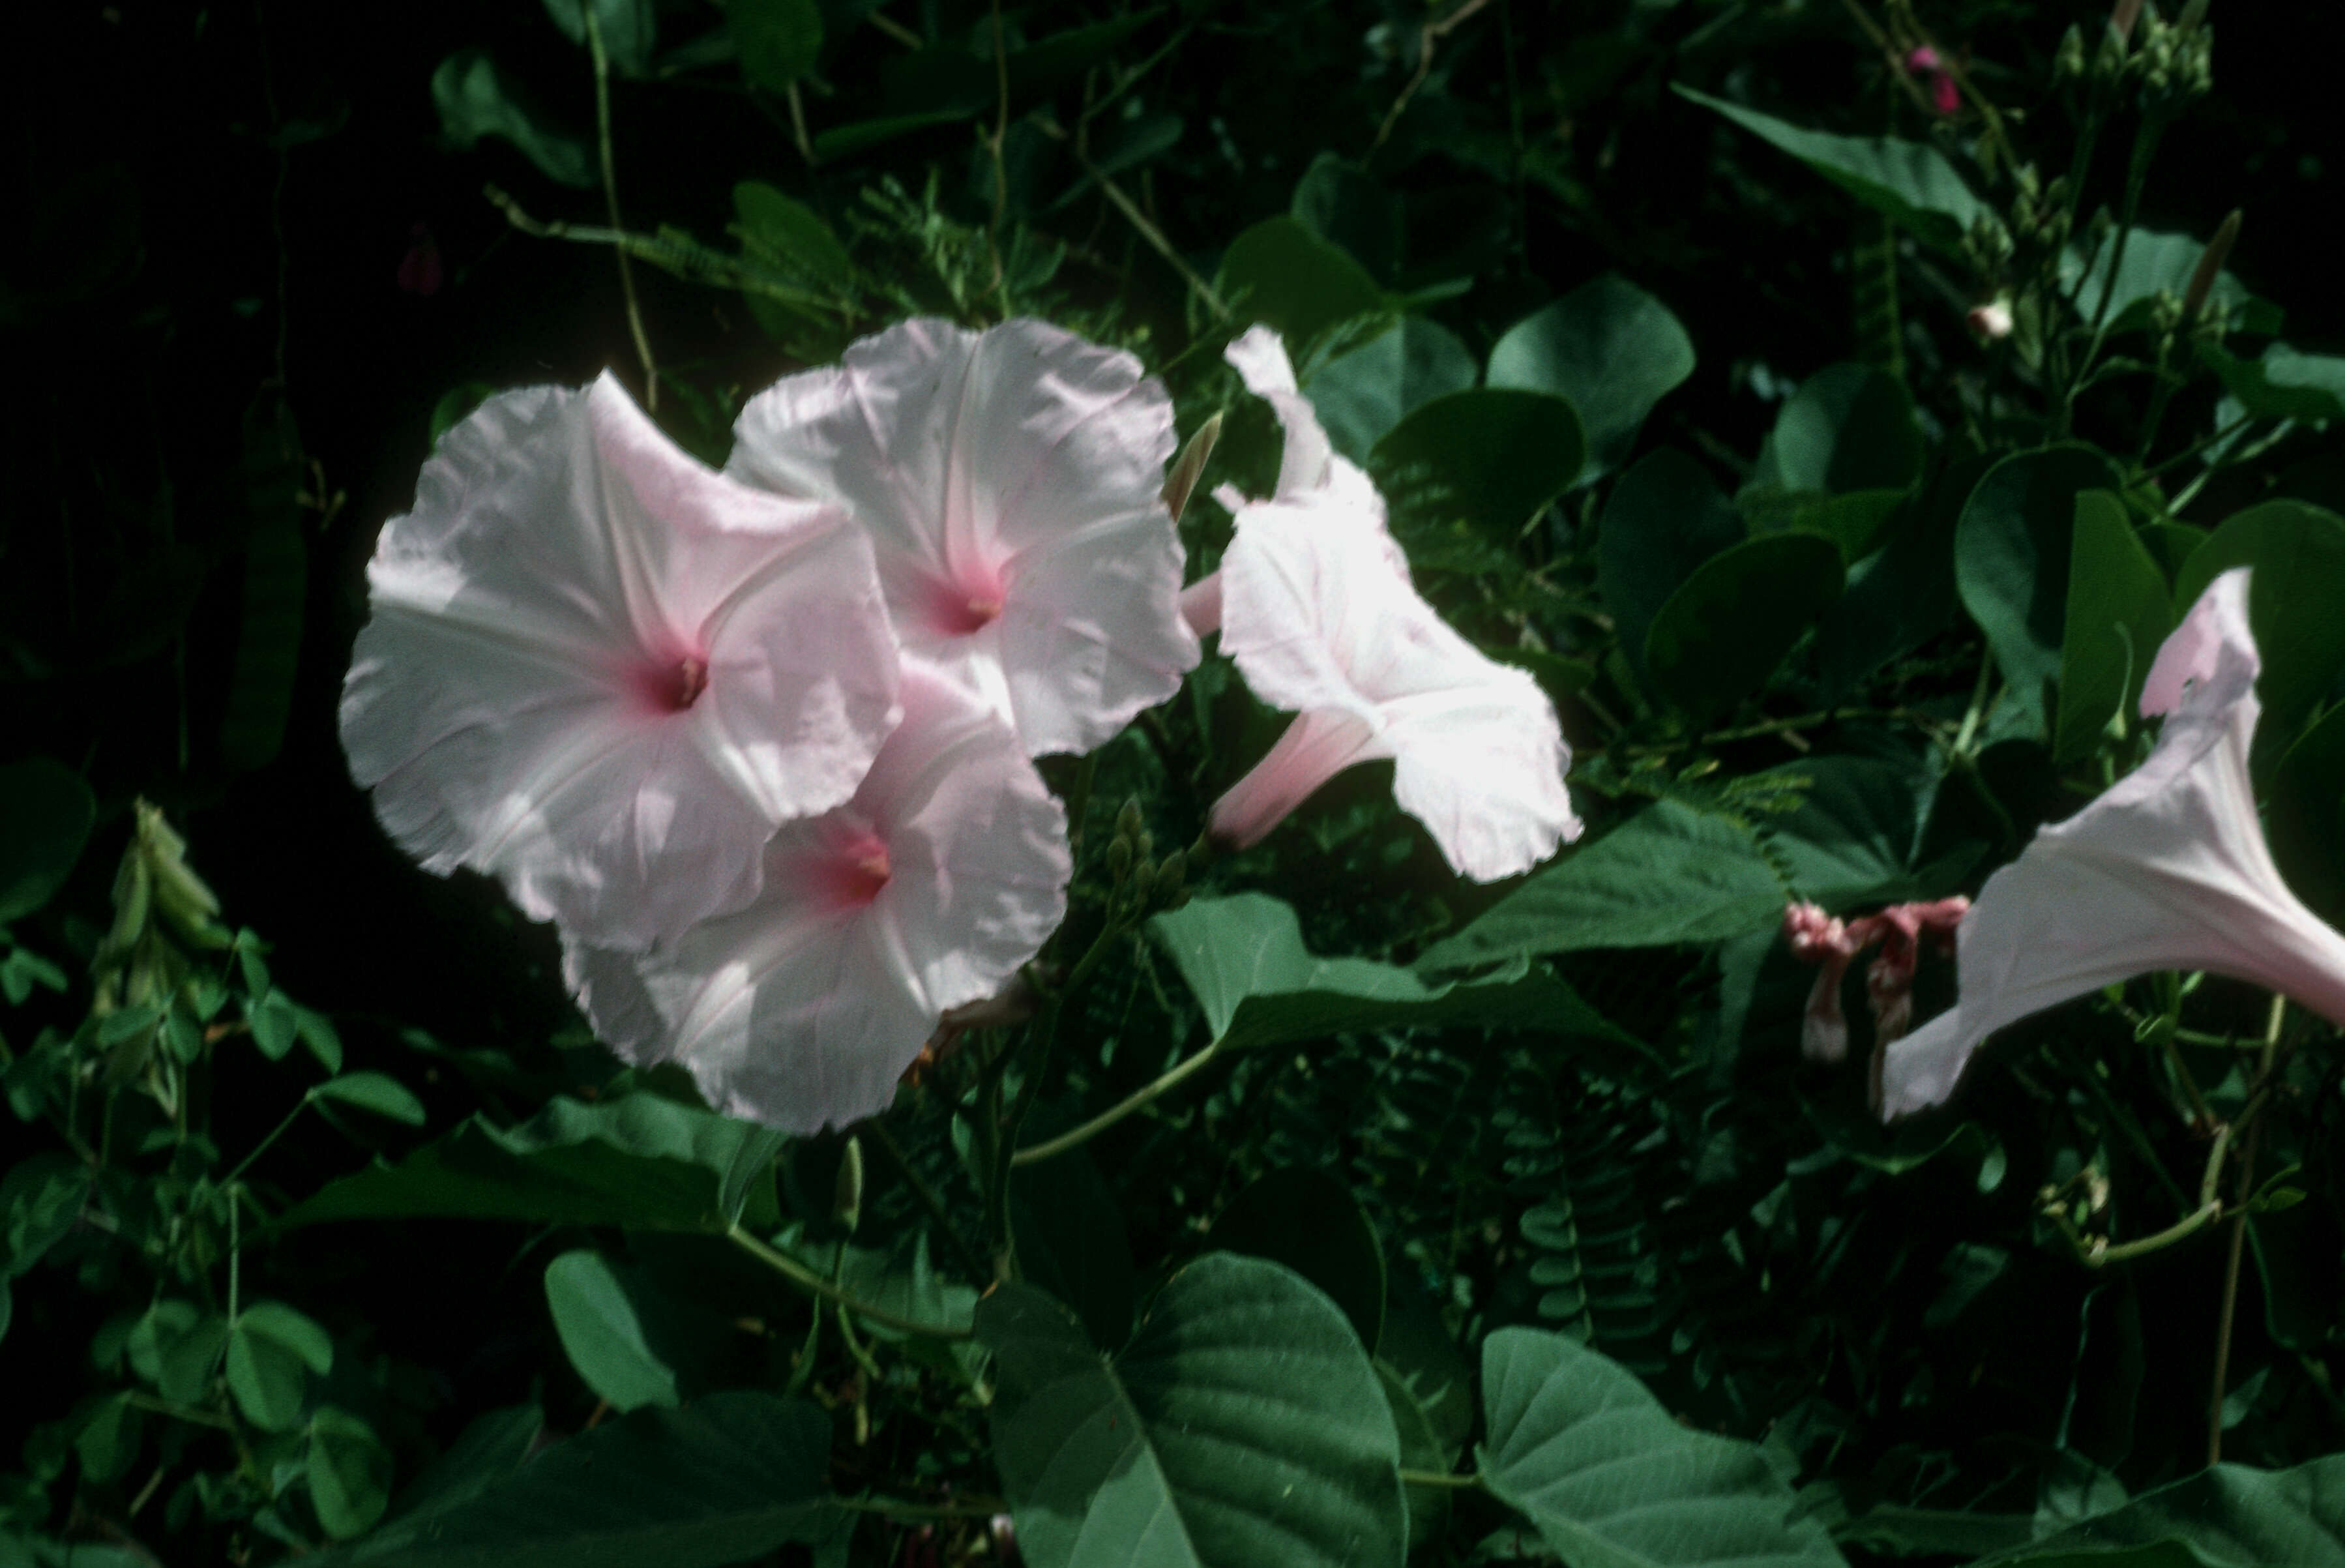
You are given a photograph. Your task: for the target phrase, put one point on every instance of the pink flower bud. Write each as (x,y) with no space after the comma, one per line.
(1991,321)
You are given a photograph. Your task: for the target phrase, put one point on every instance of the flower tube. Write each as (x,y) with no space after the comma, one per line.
(1011,484)
(606,674)
(925,893)
(2167,870)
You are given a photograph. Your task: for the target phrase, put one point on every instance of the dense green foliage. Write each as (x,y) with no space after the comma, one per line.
(1331,1209)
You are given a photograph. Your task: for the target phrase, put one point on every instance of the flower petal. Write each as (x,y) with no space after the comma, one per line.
(1259,356)
(604,674)
(1012,475)
(2167,870)
(802,1009)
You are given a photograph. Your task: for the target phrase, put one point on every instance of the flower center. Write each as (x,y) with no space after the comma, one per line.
(856,868)
(959,609)
(674,688)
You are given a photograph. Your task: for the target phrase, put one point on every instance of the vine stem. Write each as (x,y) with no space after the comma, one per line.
(814,1285)
(1139,1098)
(2239,1241)
(1443,1477)
(610,200)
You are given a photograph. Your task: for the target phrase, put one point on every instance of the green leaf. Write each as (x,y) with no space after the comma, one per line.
(897,1278)
(2306,818)
(2283,383)
(1613,1481)
(275,1022)
(1244,1425)
(2231,1516)
(1071,1238)
(2299,555)
(1361,394)
(2118,613)
(1310,1222)
(1661,522)
(40,1203)
(1671,875)
(602,1334)
(378,1092)
(1494,458)
(778,40)
(487,1451)
(1610,348)
(2155,263)
(788,234)
(1243,957)
(1849,427)
(475,101)
(630,30)
(268,1347)
(1280,272)
(856,136)
(1428,1506)
(728,1478)
(175,1345)
(1904,595)
(1058,58)
(107,1443)
(1344,205)
(1720,635)
(1910,183)
(1851,841)
(641,1161)
(2011,559)
(46,812)
(350,1472)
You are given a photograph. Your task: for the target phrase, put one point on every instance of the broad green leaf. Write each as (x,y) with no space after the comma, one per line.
(2119,611)
(1720,635)
(108,1440)
(1848,428)
(1055,60)
(1310,1222)
(856,135)
(1671,875)
(1492,457)
(2155,263)
(1244,1425)
(488,1451)
(1851,842)
(899,1278)
(269,1345)
(1903,595)
(378,1092)
(641,1161)
(1280,272)
(1613,1481)
(630,30)
(2231,1516)
(475,101)
(1911,183)
(175,1345)
(791,235)
(1663,520)
(1072,1240)
(1243,957)
(1344,205)
(2299,555)
(602,1334)
(2282,383)
(778,40)
(1361,394)
(46,812)
(1123,145)
(2306,819)
(2011,559)
(1610,348)
(1854,523)
(350,1472)
(728,1478)
(1892,1531)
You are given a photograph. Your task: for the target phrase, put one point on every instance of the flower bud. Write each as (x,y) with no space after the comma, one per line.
(1991,321)
(1172,876)
(1190,465)
(1129,821)
(1143,880)
(2068,64)
(2122,17)
(847,1194)
(1119,859)
(2211,265)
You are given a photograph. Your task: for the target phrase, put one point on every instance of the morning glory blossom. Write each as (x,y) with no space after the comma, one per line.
(926,892)
(2167,870)
(1319,622)
(1010,482)
(603,673)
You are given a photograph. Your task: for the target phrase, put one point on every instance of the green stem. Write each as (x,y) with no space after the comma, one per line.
(229,1181)
(894,1508)
(1443,1477)
(611,201)
(1136,1101)
(2247,1190)
(814,1285)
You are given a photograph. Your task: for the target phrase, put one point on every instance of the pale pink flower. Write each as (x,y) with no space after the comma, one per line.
(603,673)
(1992,321)
(1930,68)
(925,893)
(2167,870)
(1319,622)
(1309,468)
(1011,482)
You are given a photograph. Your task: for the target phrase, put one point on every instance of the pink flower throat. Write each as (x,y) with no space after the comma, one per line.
(673,687)
(854,867)
(963,607)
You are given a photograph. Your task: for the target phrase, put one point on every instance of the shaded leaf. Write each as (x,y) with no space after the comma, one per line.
(2155,263)
(2118,613)
(778,40)
(1720,635)
(1071,1241)
(1610,348)
(1278,272)
(2011,559)
(2282,383)
(45,813)
(1361,396)
(1494,458)
(475,101)
(602,1334)
(1663,520)
(2231,1516)
(1309,1221)
(378,1092)
(630,30)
